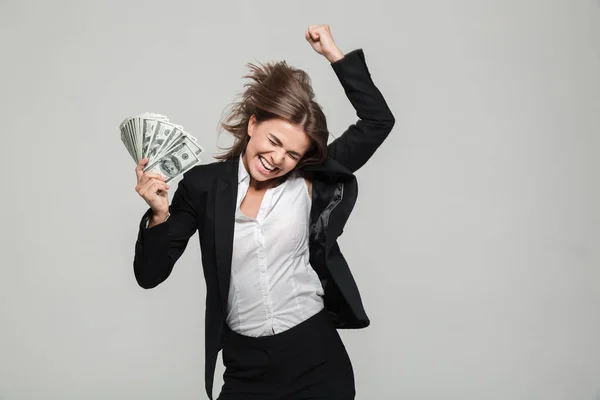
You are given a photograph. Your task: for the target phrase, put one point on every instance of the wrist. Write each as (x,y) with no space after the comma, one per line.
(334,56)
(158,218)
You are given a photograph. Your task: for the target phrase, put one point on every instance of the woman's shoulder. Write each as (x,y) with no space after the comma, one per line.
(204,175)
(304,178)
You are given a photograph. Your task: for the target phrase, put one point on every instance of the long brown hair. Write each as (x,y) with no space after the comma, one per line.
(277,90)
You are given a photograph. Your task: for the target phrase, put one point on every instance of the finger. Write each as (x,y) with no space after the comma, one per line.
(156,182)
(154,175)
(317,28)
(152,187)
(146,176)
(323,30)
(313,31)
(310,39)
(143,187)
(159,188)
(139,169)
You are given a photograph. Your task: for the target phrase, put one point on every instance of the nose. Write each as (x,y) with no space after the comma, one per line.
(278,157)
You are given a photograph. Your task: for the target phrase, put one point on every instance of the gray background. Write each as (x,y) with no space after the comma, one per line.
(474,240)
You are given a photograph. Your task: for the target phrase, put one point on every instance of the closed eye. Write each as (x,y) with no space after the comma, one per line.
(293,155)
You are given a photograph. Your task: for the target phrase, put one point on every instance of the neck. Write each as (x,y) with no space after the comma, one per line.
(260,186)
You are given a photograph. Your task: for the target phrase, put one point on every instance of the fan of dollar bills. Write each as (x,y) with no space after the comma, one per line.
(170,150)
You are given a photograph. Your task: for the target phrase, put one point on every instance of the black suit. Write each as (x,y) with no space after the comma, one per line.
(205,201)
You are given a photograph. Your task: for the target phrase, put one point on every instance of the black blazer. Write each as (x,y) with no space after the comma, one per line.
(205,202)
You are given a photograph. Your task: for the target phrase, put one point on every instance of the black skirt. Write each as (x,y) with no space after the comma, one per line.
(308,361)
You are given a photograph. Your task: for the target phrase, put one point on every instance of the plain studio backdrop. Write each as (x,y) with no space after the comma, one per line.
(475,239)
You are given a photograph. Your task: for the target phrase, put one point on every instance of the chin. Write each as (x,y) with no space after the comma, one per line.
(259,177)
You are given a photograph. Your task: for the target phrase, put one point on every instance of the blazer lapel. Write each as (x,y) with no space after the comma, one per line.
(226,196)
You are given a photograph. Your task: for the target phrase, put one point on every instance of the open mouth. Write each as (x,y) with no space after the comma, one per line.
(266,166)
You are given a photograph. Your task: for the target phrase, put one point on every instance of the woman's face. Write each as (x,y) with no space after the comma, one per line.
(275,148)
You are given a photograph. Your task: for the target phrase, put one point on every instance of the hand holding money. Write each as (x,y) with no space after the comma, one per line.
(151,186)
(162,152)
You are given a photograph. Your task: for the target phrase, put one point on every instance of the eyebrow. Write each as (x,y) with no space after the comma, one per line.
(276,140)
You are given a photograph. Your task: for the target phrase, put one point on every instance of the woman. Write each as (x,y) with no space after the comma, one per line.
(268,218)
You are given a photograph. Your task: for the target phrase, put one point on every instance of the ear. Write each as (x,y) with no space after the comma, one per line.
(251,125)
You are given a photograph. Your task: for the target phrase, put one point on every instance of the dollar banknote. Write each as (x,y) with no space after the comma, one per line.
(177,161)
(170,150)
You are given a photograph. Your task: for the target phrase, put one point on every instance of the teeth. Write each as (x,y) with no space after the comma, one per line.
(265,164)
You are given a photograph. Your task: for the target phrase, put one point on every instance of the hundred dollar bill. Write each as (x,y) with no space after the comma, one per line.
(175,162)
(148,130)
(138,134)
(159,117)
(163,136)
(125,140)
(191,141)
(129,128)
(152,135)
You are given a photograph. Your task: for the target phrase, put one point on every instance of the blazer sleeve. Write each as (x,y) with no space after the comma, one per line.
(159,247)
(359,142)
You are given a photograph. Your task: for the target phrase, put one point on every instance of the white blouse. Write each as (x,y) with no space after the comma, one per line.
(273,286)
